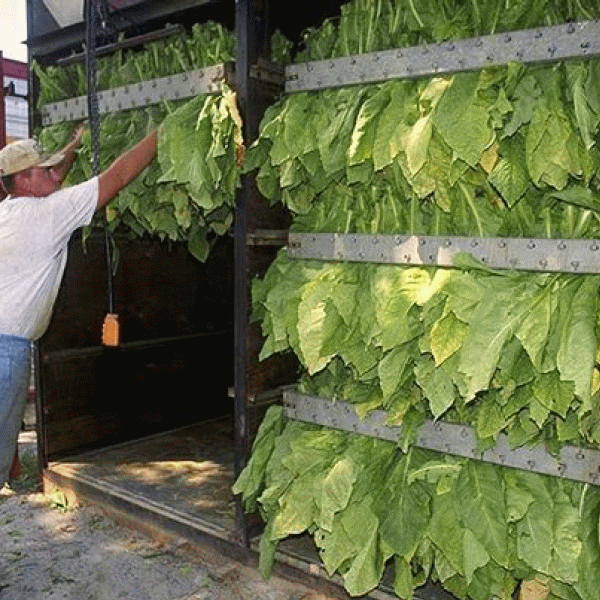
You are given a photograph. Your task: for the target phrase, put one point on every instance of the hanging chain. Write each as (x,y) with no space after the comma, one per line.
(94,121)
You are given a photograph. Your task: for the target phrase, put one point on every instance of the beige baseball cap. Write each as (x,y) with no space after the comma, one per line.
(25,154)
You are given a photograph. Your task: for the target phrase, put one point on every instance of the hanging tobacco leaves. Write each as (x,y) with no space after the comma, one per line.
(188,194)
(508,151)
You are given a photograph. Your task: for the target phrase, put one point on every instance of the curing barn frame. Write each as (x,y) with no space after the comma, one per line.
(170,341)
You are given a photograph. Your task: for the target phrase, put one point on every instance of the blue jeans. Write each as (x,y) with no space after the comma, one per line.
(15,365)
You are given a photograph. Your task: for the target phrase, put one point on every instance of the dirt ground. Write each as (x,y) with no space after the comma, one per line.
(51,551)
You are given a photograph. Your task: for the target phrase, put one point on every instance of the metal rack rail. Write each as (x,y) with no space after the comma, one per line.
(144,93)
(544,44)
(576,463)
(567,256)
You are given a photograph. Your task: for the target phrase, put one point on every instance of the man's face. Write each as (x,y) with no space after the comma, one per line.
(42,181)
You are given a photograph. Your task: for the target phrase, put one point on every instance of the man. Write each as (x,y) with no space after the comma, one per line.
(37,219)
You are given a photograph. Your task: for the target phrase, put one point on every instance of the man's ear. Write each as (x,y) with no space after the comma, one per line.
(21,183)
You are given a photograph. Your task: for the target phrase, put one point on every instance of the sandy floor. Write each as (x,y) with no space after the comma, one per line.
(52,551)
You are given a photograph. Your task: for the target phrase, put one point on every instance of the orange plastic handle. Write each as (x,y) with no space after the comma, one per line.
(110,330)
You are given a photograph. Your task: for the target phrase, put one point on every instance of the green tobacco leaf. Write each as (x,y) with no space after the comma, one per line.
(524,101)
(197,242)
(391,369)
(404,508)
(579,342)
(336,547)
(446,531)
(251,480)
(509,175)
(589,560)
(480,502)
(462,121)
(366,568)
(393,292)
(336,490)
(391,129)
(335,135)
(319,325)
(436,384)
(447,336)
(475,555)
(554,394)
(547,536)
(362,140)
(584,87)
(534,329)
(551,155)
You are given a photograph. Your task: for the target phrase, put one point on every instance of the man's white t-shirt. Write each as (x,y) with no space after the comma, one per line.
(34,235)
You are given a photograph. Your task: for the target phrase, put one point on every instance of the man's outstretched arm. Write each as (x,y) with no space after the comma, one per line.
(126,168)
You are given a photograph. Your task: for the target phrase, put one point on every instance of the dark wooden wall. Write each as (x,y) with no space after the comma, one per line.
(174,366)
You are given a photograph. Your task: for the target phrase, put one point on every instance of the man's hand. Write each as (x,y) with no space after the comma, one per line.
(60,171)
(76,136)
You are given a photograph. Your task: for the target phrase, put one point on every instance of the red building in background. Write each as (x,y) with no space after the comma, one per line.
(15,108)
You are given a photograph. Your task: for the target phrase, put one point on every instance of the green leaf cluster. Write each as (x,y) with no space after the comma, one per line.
(508,151)
(506,352)
(372,25)
(188,194)
(206,44)
(475,528)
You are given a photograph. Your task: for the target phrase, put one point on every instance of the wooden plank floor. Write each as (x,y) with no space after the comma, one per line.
(186,472)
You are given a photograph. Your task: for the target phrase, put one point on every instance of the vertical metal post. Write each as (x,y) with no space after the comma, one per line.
(250,22)
(243,19)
